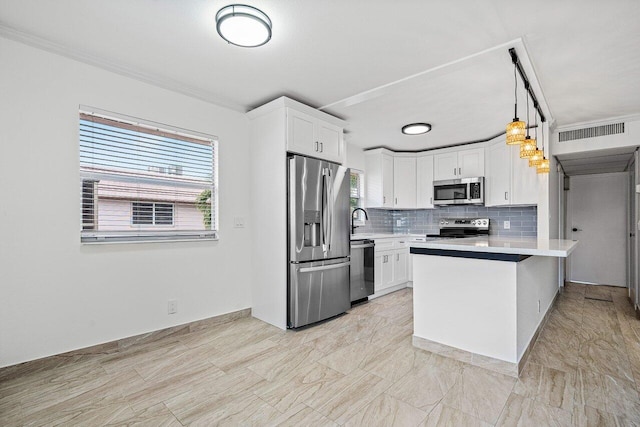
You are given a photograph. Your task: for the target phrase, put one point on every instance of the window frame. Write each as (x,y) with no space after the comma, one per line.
(149,232)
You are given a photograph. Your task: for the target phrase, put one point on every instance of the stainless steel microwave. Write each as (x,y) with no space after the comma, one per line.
(461,191)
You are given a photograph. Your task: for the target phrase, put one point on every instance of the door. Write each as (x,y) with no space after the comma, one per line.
(445,166)
(471,163)
(424,182)
(317,291)
(330,140)
(524,180)
(597,217)
(404,182)
(300,133)
(498,175)
(387,181)
(318,210)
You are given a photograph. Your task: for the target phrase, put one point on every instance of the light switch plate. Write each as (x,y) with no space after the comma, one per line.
(507,225)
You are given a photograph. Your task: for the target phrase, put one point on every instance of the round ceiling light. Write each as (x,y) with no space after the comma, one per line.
(416,128)
(243,25)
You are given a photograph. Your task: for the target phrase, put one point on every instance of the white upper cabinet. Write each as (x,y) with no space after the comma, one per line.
(497,179)
(379,178)
(509,180)
(424,182)
(459,164)
(404,182)
(314,137)
(524,180)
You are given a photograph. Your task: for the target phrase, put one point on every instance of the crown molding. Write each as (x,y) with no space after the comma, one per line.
(122,69)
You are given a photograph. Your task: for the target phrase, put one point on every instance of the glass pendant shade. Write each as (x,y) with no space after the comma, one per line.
(515,132)
(536,159)
(543,167)
(528,148)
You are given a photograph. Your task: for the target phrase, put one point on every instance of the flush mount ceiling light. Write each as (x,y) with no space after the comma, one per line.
(243,25)
(416,128)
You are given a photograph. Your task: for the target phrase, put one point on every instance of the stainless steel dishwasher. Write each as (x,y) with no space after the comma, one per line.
(362,270)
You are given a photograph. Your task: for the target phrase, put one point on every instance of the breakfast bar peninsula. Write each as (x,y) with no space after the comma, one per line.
(482,300)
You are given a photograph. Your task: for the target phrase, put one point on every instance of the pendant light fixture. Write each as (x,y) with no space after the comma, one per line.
(528,146)
(543,167)
(243,25)
(515,129)
(538,155)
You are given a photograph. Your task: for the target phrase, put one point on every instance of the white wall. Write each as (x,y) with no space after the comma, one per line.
(56,294)
(355,157)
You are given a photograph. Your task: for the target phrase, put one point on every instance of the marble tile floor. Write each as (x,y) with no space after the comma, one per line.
(357,369)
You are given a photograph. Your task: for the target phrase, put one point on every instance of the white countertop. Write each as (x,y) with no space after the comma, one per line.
(504,245)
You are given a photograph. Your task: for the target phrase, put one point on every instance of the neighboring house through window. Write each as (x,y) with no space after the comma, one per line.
(356,196)
(145,181)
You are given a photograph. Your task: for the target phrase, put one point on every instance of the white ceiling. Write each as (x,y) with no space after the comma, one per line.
(357,58)
(599,161)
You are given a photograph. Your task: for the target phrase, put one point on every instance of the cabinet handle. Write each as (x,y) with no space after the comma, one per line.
(321,147)
(454,171)
(396,200)
(430,200)
(397,257)
(384,199)
(506,195)
(459,171)
(316,145)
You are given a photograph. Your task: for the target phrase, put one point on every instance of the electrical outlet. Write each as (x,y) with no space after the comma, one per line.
(238,222)
(398,223)
(507,225)
(172,306)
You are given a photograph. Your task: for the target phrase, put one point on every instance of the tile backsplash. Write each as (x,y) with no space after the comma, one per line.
(523,220)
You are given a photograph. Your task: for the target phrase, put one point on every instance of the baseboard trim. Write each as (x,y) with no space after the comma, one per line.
(122,344)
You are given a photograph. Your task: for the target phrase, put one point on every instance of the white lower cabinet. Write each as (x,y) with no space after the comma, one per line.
(391,264)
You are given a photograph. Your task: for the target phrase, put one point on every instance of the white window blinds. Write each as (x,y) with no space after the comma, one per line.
(141,182)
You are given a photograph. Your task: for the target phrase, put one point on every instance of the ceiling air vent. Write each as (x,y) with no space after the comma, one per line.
(570,135)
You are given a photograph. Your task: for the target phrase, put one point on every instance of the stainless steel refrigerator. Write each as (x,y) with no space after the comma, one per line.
(318,238)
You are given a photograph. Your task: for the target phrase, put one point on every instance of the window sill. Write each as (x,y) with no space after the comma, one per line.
(119,239)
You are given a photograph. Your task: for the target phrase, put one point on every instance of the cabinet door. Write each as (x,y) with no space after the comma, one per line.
(404,182)
(301,133)
(471,163)
(524,181)
(424,182)
(377,271)
(387,181)
(498,175)
(384,270)
(330,141)
(445,166)
(400,258)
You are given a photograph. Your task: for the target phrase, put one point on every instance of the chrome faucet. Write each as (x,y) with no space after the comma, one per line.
(353,217)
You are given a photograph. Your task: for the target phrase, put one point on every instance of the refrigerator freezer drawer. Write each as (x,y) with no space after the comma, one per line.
(317,291)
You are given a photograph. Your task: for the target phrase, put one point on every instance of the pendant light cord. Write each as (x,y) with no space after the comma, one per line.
(515,92)
(528,137)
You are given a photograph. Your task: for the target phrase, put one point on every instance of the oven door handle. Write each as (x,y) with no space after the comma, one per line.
(370,245)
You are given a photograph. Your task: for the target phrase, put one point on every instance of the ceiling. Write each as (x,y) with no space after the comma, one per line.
(377,64)
(600,161)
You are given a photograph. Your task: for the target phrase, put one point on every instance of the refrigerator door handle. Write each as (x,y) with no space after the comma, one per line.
(324,267)
(326,210)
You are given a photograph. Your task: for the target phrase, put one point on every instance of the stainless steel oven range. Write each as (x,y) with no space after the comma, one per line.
(452,228)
